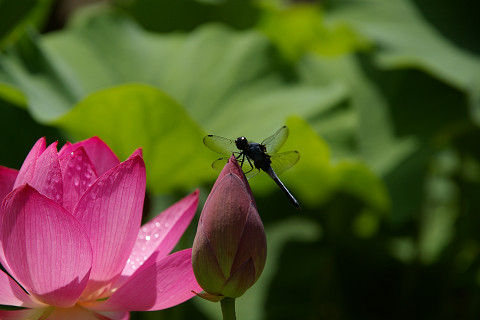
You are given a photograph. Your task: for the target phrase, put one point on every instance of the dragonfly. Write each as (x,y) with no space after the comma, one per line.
(254,157)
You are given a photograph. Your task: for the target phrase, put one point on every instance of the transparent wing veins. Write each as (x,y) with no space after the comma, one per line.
(276,141)
(281,162)
(220,145)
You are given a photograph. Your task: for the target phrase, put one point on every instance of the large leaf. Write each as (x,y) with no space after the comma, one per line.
(298,30)
(223,79)
(212,72)
(132,116)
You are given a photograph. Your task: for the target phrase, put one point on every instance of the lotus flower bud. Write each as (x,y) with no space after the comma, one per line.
(230,248)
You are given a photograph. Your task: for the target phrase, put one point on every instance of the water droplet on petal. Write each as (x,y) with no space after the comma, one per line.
(94,193)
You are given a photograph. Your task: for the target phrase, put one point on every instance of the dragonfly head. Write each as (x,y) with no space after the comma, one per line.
(241,143)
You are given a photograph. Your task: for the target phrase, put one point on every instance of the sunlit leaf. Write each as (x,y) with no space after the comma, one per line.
(223,79)
(302,28)
(132,116)
(212,72)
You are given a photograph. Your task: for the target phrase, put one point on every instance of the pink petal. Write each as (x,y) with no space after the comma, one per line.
(11,294)
(137,151)
(159,283)
(7,179)
(111,211)
(47,177)
(41,169)
(3,260)
(28,167)
(162,233)
(253,244)
(65,149)
(46,248)
(223,218)
(78,175)
(99,153)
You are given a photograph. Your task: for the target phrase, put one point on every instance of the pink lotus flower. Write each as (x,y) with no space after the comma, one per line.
(71,241)
(230,248)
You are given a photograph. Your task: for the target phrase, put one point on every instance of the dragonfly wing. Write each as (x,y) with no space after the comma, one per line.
(219,164)
(276,141)
(251,173)
(220,145)
(281,162)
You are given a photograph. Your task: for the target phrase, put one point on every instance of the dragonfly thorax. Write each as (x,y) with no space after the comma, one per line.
(257,153)
(241,143)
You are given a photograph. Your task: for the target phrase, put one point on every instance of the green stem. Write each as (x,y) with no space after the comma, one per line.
(228,308)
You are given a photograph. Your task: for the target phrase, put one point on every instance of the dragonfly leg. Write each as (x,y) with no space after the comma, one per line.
(238,155)
(251,166)
(241,161)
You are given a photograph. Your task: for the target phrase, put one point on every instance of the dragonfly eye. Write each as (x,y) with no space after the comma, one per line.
(241,143)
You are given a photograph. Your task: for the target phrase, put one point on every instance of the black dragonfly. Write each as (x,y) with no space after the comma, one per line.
(254,156)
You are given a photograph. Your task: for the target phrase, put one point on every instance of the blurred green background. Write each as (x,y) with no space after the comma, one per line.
(382,98)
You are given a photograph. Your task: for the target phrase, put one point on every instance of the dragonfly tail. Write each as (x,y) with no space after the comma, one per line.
(273,175)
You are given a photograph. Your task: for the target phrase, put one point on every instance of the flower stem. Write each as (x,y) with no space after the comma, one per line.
(228,308)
